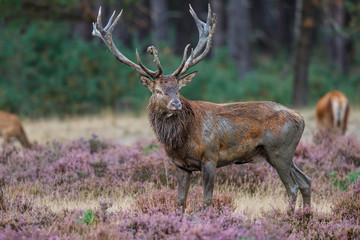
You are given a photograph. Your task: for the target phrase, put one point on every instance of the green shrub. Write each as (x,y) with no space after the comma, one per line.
(343,184)
(46,70)
(88,218)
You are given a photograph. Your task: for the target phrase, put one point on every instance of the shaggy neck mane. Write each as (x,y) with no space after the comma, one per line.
(172,131)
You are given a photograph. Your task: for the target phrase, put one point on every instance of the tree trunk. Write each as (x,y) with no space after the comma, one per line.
(219,37)
(336,42)
(286,21)
(159,19)
(302,59)
(239,34)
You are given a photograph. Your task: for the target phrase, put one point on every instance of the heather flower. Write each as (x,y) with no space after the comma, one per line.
(95,168)
(104,206)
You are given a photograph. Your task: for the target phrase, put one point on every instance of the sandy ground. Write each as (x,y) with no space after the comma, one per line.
(126,129)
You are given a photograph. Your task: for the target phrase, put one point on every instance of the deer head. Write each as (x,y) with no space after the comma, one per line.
(165,89)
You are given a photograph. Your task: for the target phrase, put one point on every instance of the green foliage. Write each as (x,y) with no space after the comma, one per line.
(148,149)
(323,78)
(46,70)
(88,218)
(343,184)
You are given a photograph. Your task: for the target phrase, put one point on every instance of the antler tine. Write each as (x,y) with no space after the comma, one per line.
(111,18)
(99,22)
(152,50)
(178,71)
(208,43)
(203,29)
(148,71)
(206,32)
(106,35)
(200,24)
(209,14)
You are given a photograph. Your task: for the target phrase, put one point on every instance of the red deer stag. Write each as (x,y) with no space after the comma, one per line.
(11,127)
(203,136)
(332,112)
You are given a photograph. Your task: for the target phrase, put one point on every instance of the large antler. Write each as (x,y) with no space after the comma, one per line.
(206,32)
(106,35)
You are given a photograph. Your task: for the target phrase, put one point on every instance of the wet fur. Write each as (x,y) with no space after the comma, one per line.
(204,136)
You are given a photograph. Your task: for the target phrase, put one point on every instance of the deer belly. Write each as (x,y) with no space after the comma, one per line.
(231,159)
(243,154)
(187,164)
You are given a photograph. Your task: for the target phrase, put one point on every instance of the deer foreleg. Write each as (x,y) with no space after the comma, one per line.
(183,187)
(208,179)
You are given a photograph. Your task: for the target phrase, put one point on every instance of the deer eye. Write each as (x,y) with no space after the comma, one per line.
(157,91)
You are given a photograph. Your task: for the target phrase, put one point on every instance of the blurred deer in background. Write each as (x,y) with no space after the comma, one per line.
(203,136)
(332,112)
(11,127)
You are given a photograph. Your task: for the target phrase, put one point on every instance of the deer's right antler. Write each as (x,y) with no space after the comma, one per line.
(106,35)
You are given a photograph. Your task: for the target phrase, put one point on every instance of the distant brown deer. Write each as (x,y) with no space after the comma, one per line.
(203,136)
(332,112)
(11,127)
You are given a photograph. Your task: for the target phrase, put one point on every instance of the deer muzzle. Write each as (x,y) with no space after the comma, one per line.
(174,104)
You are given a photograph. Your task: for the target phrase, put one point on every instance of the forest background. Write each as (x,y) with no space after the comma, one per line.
(291,52)
(96,172)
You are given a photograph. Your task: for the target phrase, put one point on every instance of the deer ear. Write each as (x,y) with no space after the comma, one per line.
(146,82)
(186,79)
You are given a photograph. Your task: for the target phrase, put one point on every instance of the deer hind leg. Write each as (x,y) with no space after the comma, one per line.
(343,113)
(304,183)
(284,172)
(280,151)
(291,176)
(346,118)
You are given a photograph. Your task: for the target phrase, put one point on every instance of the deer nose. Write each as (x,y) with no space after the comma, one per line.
(175,104)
